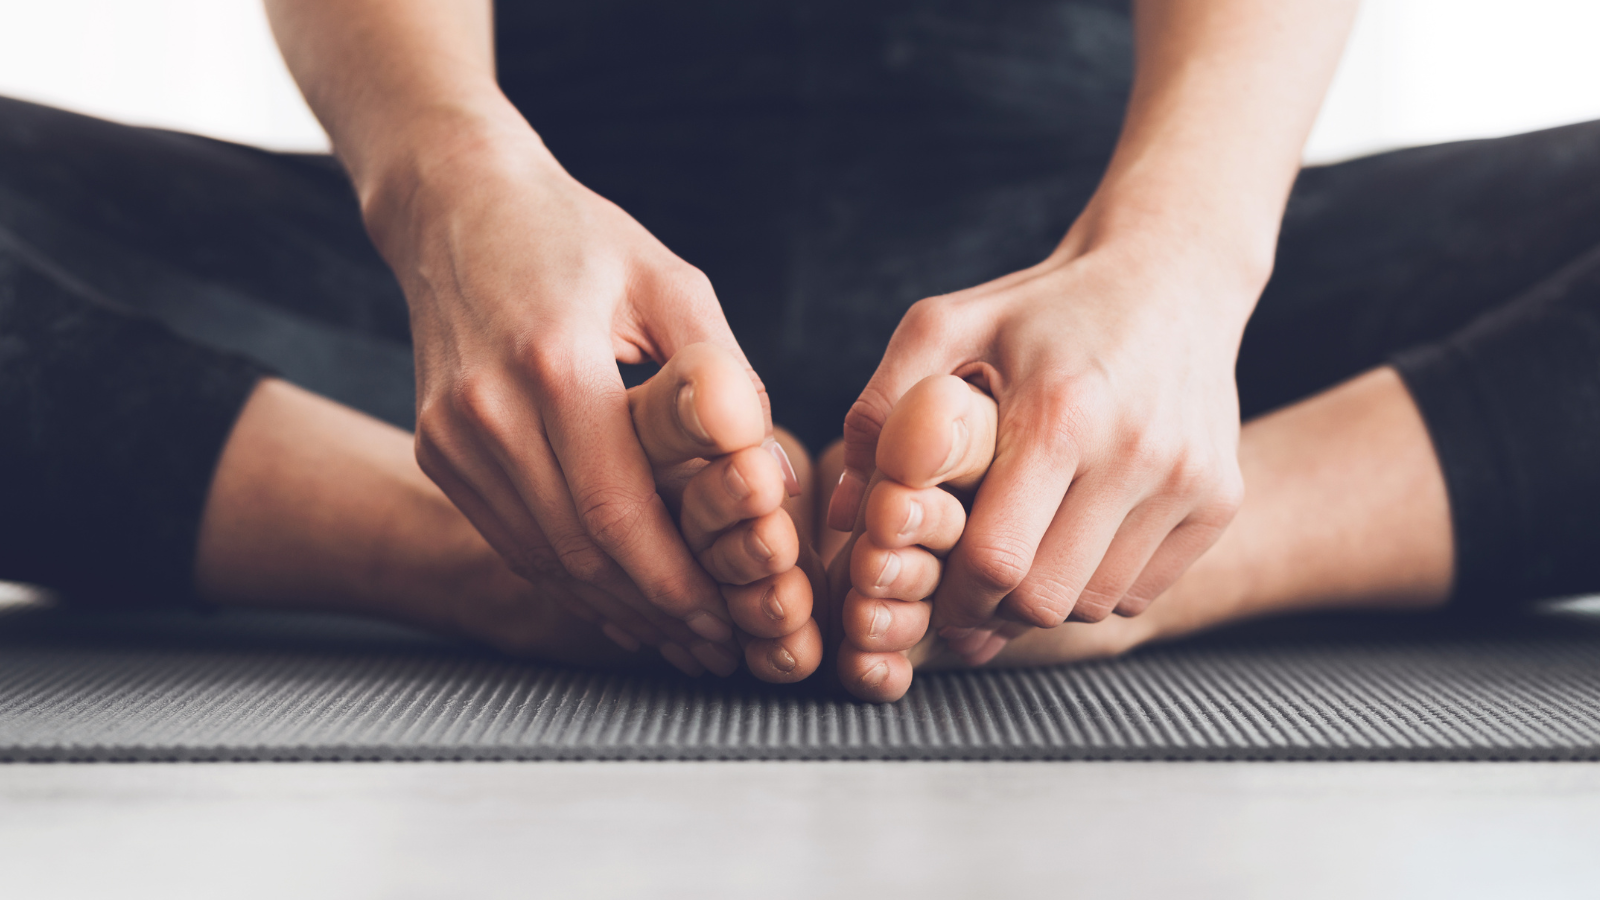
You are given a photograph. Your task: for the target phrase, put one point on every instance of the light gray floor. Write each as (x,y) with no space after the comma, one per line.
(780,830)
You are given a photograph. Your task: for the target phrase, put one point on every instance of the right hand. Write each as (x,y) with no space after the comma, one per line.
(526,289)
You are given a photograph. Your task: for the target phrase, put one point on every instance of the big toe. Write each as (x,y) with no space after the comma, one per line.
(703,403)
(941,432)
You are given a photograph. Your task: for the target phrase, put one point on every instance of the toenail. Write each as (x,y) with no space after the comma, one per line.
(688,416)
(760,546)
(889,572)
(913,519)
(783,660)
(958,447)
(771,606)
(709,627)
(880,621)
(791,482)
(734,481)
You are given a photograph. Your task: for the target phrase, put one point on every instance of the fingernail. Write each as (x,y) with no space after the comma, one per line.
(913,519)
(759,547)
(619,637)
(889,572)
(710,627)
(688,416)
(876,675)
(734,481)
(681,660)
(958,447)
(880,621)
(783,660)
(790,480)
(716,659)
(771,606)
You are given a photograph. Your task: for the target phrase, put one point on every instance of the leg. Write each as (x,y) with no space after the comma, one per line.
(317,506)
(1345,508)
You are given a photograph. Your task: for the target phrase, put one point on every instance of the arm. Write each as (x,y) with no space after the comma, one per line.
(1112,361)
(525,288)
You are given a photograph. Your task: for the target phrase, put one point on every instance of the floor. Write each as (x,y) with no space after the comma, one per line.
(803,830)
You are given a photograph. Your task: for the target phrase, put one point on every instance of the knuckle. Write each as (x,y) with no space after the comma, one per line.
(864,421)
(580,559)
(611,515)
(1094,605)
(929,319)
(1044,603)
(999,566)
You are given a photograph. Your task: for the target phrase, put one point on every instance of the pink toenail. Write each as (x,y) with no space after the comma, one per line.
(783,660)
(771,606)
(709,627)
(958,447)
(790,480)
(913,519)
(880,621)
(889,572)
(689,417)
(846,499)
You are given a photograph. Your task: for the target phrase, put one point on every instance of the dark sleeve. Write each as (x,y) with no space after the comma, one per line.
(1512,402)
(110,431)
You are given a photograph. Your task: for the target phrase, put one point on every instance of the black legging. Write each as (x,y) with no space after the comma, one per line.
(825,178)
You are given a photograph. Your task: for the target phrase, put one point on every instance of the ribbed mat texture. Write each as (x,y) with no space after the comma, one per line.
(76,686)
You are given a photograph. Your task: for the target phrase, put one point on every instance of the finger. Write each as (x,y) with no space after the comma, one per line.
(1187,543)
(942,432)
(874,677)
(1071,550)
(907,573)
(898,516)
(928,340)
(753,550)
(1015,505)
(1141,534)
(746,484)
(786,659)
(700,405)
(877,625)
(771,607)
(611,491)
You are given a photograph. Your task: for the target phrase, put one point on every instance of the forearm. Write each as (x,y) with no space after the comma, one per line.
(400,85)
(1225,93)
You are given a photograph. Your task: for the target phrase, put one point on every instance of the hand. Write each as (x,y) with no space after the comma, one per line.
(1116,459)
(525,289)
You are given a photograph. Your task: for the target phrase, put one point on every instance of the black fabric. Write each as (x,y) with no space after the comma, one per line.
(258,686)
(828,164)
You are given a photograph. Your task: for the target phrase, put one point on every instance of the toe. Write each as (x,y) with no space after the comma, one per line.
(771,607)
(746,484)
(753,549)
(876,677)
(907,573)
(701,404)
(875,625)
(898,516)
(786,659)
(941,432)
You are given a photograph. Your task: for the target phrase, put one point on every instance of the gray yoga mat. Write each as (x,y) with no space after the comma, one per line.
(196,686)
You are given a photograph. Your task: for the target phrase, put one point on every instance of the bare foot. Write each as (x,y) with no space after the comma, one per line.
(316,506)
(731,510)
(1345,509)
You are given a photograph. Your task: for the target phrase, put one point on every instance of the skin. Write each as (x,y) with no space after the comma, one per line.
(1345,508)
(525,287)
(317,506)
(1112,361)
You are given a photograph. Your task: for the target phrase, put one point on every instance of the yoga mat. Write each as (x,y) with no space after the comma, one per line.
(254,686)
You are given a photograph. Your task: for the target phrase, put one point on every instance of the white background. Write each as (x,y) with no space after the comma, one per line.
(1416,71)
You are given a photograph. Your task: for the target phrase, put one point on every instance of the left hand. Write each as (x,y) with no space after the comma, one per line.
(1116,461)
